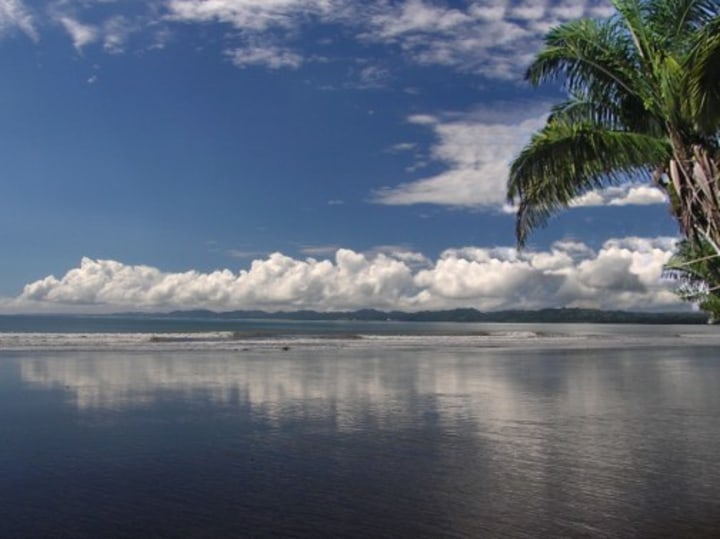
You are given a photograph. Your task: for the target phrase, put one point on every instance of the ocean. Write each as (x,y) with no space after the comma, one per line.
(152,427)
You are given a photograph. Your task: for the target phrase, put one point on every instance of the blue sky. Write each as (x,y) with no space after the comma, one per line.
(278,154)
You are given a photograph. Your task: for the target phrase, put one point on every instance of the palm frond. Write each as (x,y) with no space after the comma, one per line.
(675,21)
(581,108)
(633,15)
(565,160)
(704,79)
(588,56)
(695,268)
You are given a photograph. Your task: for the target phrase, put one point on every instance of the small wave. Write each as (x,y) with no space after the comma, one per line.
(190,337)
(516,334)
(274,340)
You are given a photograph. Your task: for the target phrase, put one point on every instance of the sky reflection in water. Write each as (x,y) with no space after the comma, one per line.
(357,442)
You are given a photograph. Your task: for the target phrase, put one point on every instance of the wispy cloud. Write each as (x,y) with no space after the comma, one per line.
(402,147)
(492,38)
(111,27)
(116,31)
(495,38)
(476,150)
(255,15)
(319,250)
(239,253)
(269,56)
(15,14)
(81,34)
(623,273)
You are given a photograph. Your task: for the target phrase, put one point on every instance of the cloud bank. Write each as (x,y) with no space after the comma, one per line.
(622,274)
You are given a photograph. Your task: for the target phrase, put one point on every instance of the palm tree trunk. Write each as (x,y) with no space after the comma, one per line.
(695,179)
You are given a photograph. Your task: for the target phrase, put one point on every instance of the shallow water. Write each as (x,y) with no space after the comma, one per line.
(350,439)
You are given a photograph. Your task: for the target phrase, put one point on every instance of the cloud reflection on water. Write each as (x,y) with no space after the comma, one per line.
(582,440)
(487,385)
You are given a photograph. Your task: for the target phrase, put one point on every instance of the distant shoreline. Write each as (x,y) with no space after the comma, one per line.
(554,315)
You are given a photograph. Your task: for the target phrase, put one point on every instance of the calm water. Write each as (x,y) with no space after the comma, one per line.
(492,431)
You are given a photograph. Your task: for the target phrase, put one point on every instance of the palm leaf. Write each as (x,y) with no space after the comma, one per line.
(633,15)
(704,79)
(589,56)
(565,160)
(695,266)
(674,21)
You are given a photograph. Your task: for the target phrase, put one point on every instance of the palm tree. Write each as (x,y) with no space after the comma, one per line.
(695,266)
(643,103)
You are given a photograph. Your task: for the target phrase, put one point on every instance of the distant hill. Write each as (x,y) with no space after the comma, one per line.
(562,315)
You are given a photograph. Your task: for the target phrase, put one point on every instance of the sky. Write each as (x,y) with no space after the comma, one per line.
(295,154)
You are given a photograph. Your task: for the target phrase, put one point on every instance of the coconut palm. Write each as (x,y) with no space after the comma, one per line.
(643,102)
(695,267)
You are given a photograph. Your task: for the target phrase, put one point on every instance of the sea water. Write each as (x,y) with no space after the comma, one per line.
(161,428)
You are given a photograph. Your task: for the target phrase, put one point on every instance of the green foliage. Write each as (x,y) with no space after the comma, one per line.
(562,316)
(696,267)
(643,91)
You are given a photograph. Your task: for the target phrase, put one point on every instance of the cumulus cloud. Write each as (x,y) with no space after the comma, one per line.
(623,195)
(622,274)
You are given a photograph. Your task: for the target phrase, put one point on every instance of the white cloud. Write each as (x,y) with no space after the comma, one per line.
(240,253)
(477,152)
(371,77)
(319,250)
(402,147)
(14,14)
(414,16)
(493,38)
(622,274)
(250,14)
(116,31)
(270,56)
(80,33)
(113,29)
(623,195)
(422,119)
